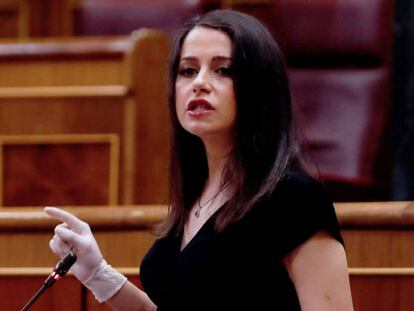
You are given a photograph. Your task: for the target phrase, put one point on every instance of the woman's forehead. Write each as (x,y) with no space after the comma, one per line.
(202,41)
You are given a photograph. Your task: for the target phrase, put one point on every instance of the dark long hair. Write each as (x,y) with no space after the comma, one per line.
(264,144)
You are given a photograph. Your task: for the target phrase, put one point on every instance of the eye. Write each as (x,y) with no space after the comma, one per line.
(224,71)
(187,72)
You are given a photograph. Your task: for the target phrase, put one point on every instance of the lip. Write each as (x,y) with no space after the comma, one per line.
(199,107)
(199,102)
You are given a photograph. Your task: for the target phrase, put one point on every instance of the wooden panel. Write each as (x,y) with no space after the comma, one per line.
(148,134)
(378,241)
(65,73)
(9,22)
(31,248)
(14,18)
(20,284)
(124,234)
(95,85)
(378,234)
(63,62)
(374,290)
(50,17)
(59,169)
(77,115)
(379,248)
(378,291)
(26,249)
(16,291)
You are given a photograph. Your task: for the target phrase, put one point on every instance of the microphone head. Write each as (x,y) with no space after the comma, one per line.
(63,266)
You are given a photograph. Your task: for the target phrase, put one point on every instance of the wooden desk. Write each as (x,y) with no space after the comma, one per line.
(376,234)
(378,237)
(20,284)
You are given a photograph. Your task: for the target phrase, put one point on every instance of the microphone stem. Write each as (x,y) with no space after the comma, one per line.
(59,271)
(34,298)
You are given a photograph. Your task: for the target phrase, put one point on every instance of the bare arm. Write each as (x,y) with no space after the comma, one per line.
(130,298)
(318,269)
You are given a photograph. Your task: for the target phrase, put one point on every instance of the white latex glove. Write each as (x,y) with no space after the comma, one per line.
(74,234)
(90,268)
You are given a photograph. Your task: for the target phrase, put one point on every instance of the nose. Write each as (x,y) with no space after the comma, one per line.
(202,82)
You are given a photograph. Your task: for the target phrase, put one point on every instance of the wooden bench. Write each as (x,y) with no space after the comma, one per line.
(379,239)
(20,284)
(88,86)
(123,233)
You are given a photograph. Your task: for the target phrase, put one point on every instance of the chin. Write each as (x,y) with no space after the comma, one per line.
(198,132)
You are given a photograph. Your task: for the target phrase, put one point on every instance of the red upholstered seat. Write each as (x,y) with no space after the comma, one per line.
(342,114)
(338,54)
(117,17)
(343,30)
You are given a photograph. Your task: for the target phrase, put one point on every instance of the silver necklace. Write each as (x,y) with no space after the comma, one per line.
(200,206)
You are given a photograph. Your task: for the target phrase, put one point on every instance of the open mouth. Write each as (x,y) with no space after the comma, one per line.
(199,106)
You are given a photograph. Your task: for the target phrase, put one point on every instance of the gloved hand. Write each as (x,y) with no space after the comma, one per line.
(90,268)
(76,236)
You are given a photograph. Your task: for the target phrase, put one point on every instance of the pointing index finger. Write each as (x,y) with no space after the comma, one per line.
(59,214)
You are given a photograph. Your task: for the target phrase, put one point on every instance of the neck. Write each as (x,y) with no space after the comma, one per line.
(217,152)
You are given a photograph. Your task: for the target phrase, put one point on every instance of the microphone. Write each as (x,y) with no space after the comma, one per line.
(61,268)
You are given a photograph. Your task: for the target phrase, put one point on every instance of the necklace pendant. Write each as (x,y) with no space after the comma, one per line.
(197,213)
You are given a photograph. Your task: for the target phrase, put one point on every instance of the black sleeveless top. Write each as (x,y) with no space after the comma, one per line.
(242,267)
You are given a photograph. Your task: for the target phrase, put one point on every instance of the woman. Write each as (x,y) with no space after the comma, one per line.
(247,228)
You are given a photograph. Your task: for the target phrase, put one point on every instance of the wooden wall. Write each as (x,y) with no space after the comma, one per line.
(379,239)
(36,18)
(378,236)
(94,106)
(20,284)
(14,19)
(107,97)
(123,233)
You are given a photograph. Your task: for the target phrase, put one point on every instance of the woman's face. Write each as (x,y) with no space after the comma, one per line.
(205,99)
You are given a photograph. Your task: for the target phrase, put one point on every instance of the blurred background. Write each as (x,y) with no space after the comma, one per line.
(82,121)
(84,125)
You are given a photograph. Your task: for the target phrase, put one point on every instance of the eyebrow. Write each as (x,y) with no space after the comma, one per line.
(215,58)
